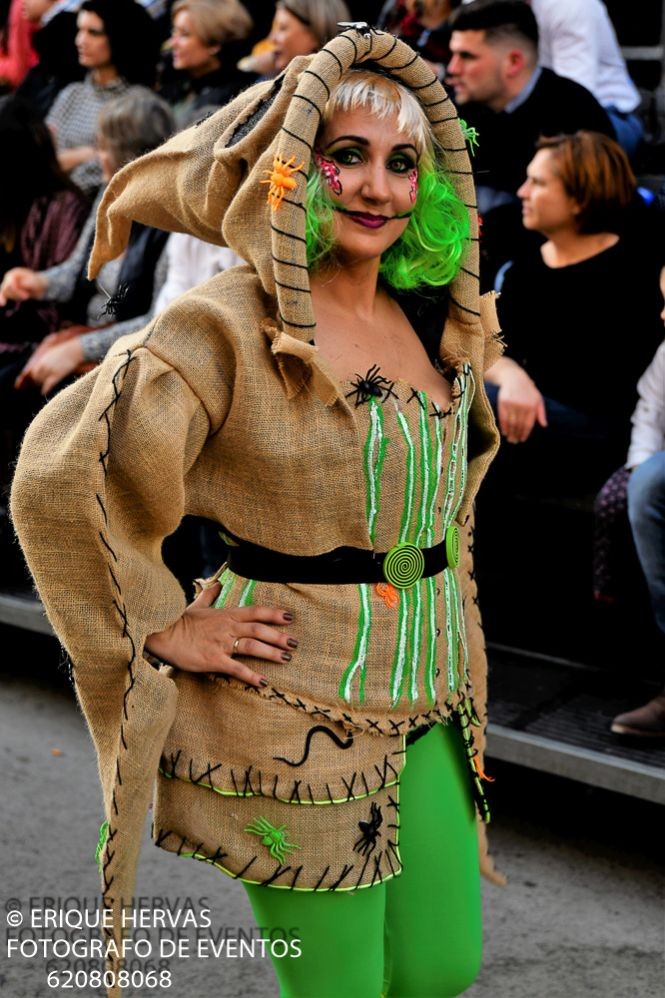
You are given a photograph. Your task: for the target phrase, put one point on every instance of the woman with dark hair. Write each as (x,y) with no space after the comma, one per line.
(566,309)
(41,215)
(117,44)
(206,45)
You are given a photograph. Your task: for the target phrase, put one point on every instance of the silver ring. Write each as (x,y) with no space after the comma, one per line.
(234,650)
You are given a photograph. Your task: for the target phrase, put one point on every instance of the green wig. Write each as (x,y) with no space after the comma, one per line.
(431,249)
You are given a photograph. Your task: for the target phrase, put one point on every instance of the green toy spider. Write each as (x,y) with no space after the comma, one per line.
(274,838)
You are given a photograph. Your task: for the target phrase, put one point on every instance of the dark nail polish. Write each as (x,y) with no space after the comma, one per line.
(286,657)
(288,616)
(263,682)
(292,643)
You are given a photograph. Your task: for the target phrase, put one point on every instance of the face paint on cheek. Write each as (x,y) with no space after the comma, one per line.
(413,188)
(330,172)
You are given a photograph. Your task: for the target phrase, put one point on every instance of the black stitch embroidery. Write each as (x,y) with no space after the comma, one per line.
(346,870)
(393,849)
(415,395)
(377,870)
(174,759)
(349,787)
(310,102)
(310,72)
(278,873)
(310,734)
(438,413)
(321,878)
(206,772)
(369,831)
(245,868)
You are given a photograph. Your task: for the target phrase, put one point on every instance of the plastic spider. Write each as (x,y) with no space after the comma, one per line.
(280,179)
(373,385)
(362,27)
(273,838)
(366,844)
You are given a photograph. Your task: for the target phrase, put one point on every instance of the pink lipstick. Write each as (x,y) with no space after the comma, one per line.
(369,221)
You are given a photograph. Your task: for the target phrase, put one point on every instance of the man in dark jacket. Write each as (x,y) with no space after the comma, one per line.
(510,100)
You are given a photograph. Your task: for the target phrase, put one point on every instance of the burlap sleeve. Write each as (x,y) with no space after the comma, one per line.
(100,482)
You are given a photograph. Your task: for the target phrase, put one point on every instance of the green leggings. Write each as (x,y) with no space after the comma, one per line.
(415,936)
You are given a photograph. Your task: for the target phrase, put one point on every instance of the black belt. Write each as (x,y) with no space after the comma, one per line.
(402,566)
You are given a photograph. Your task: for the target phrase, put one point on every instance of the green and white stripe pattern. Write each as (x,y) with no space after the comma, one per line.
(405,625)
(227,578)
(455,485)
(358,664)
(375,452)
(417,624)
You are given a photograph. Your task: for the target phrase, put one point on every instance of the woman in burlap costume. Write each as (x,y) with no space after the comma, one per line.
(341,457)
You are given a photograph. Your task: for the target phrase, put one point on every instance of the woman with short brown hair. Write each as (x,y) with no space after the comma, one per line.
(206,44)
(580,314)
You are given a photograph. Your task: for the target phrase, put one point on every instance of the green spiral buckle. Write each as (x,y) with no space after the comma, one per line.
(404,564)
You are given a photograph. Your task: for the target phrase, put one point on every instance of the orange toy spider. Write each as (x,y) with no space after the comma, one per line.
(280,179)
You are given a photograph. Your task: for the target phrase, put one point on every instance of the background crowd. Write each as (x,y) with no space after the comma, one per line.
(568,236)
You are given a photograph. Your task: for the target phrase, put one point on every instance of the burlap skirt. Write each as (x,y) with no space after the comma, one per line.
(278,796)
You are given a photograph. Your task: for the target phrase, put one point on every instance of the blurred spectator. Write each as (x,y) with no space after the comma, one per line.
(117,44)
(16,54)
(565,388)
(423,24)
(190,261)
(186,262)
(129,126)
(206,39)
(304,26)
(577,40)
(41,215)
(637,491)
(510,100)
(54,44)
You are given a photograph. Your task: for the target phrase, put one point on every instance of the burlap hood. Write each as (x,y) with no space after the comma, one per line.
(205,180)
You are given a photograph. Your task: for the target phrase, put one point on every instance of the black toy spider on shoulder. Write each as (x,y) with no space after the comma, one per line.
(372,385)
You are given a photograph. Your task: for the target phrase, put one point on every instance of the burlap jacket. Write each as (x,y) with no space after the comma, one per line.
(186,417)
